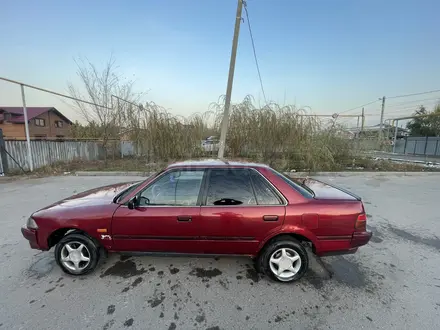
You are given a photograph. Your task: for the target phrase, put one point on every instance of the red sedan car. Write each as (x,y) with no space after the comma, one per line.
(205,207)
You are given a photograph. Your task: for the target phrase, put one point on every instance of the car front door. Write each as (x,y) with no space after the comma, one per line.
(239,209)
(167,217)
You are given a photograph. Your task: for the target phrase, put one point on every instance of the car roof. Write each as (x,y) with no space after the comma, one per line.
(224,163)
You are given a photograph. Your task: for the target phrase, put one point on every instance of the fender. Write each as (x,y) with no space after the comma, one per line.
(291,229)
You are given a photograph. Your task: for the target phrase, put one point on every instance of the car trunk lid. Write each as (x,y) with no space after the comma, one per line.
(324,190)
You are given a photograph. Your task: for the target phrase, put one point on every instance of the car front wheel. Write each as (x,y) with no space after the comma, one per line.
(76,254)
(285,260)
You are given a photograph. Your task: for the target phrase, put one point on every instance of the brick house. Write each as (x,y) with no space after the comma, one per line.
(44,123)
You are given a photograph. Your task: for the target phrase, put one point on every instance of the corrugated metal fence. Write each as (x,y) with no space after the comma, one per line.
(429,146)
(48,152)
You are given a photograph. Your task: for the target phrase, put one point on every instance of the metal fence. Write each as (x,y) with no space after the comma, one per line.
(427,146)
(48,152)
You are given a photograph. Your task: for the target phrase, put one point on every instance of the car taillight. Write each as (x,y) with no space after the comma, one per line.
(361,222)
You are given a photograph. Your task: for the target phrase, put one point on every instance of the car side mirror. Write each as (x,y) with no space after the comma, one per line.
(132,203)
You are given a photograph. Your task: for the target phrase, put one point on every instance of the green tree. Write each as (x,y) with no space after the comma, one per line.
(426,124)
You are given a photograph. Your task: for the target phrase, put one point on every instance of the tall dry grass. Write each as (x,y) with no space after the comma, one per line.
(281,137)
(274,134)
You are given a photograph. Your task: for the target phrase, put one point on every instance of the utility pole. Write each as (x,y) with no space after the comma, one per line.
(363,120)
(395,135)
(381,119)
(225,120)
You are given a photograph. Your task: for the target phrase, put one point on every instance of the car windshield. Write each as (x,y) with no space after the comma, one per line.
(298,186)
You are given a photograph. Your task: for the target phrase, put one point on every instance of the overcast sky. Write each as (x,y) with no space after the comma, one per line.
(329,55)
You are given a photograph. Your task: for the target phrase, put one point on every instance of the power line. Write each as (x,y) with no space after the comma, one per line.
(388,112)
(414,94)
(255,53)
(361,106)
(415,101)
(409,107)
(393,97)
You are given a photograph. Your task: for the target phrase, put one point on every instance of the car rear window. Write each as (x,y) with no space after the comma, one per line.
(303,190)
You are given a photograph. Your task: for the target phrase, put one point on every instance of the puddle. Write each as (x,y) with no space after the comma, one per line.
(134,284)
(347,272)
(42,266)
(124,269)
(156,300)
(252,274)
(314,279)
(431,242)
(205,274)
(377,236)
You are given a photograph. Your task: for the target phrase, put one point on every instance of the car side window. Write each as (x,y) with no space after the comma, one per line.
(230,187)
(263,192)
(176,188)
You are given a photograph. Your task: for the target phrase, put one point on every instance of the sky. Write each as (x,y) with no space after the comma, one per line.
(329,55)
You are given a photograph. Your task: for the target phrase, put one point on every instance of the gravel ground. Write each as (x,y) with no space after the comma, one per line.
(392,283)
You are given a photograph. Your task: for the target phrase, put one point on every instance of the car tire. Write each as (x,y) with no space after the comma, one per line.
(76,254)
(284,260)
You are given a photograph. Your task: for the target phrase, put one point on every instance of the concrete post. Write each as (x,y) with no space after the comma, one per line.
(26,127)
(3,156)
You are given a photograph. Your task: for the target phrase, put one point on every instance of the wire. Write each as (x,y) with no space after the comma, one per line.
(414,94)
(415,101)
(253,47)
(401,109)
(392,97)
(363,105)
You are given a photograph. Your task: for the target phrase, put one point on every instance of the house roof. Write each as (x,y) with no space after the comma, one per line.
(32,112)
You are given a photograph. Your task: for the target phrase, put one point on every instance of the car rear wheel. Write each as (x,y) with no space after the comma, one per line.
(285,260)
(76,254)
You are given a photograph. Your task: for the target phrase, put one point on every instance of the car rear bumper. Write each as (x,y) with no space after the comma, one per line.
(338,246)
(360,238)
(31,236)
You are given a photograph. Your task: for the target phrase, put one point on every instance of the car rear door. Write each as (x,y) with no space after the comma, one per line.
(239,209)
(167,218)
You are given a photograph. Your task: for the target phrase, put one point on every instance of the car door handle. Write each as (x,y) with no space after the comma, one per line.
(184,218)
(270,218)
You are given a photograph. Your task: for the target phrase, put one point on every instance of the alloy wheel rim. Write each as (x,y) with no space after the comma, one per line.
(285,263)
(75,256)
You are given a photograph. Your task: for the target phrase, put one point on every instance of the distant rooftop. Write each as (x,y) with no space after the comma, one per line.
(32,112)
(215,162)
(375,128)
